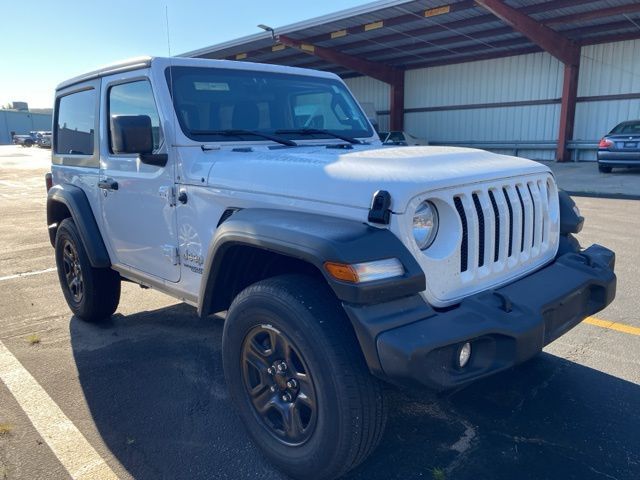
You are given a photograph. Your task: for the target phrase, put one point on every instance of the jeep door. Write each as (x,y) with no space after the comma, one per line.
(138,209)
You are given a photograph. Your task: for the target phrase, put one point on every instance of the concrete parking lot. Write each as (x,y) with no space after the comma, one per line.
(147,394)
(584,179)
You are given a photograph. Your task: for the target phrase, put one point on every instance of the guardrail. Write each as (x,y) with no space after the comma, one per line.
(577,147)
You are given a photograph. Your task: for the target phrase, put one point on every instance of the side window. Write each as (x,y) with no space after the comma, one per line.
(135,98)
(75,122)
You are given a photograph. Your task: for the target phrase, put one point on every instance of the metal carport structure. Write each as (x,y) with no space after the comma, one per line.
(385,39)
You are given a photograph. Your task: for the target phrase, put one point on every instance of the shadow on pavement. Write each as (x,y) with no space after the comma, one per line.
(154,384)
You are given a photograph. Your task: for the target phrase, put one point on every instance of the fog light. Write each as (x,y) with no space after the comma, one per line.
(464,354)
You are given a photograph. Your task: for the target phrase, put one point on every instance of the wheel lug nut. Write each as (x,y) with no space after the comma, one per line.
(272,388)
(286,397)
(270,371)
(292,383)
(282,367)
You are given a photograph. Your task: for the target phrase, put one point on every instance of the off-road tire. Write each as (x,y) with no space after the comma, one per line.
(602,169)
(350,407)
(100,292)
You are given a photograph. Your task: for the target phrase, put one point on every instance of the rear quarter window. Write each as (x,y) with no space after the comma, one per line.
(631,128)
(75,123)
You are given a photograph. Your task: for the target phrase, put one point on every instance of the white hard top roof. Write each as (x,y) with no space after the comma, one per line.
(163,62)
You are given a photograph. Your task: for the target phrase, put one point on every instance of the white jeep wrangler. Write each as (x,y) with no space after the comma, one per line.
(263,191)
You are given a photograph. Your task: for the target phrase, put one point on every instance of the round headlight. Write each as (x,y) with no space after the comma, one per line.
(425,224)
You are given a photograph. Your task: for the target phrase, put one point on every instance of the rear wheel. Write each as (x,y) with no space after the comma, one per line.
(603,169)
(92,293)
(28,143)
(297,377)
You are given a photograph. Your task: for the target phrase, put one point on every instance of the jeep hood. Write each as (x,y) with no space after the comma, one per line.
(351,177)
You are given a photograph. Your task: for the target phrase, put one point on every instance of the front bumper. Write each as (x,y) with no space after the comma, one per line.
(406,341)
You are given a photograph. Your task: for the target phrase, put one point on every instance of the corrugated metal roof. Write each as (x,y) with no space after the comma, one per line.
(415,33)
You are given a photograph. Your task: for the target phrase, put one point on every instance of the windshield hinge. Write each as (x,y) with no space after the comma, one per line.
(380,211)
(169,194)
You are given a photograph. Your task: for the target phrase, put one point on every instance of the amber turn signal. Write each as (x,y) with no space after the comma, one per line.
(343,272)
(365,272)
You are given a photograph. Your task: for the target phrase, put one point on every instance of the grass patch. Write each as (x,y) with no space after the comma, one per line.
(33,339)
(438,474)
(5,429)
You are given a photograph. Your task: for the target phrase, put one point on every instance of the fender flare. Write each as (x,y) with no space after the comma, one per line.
(315,239)
(570,221)
(76,201)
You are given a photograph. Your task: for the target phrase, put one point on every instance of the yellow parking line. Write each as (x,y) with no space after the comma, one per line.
(619,327)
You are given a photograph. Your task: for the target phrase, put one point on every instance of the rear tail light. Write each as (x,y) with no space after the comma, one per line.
(48,180)
(605,143)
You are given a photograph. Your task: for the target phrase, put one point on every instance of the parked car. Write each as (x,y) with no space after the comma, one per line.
(27,141)
(341,264)
(44,139)
(620,147)
(401,138)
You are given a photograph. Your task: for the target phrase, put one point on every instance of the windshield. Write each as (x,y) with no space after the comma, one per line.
(210,102)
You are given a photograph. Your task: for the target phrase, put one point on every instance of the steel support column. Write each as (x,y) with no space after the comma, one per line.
(560,47)
(396,118)
(567,111)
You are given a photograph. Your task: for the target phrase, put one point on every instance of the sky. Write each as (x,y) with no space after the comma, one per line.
(59,40)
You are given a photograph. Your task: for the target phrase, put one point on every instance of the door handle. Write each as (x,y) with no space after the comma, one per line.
(108,184)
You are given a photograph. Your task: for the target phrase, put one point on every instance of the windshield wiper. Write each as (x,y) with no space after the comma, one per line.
(240,133)
(321,131)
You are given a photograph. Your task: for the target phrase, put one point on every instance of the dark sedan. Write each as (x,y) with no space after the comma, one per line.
(620,147)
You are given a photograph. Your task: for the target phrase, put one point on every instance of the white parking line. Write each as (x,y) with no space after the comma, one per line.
(73,450)
(27,274)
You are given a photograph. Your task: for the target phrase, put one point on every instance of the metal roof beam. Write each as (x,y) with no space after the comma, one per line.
(572,32)
(418,44)
(556,44)
(614,37)
(400,20)
(379,71)
(433,27)
(595,14)
(388,22)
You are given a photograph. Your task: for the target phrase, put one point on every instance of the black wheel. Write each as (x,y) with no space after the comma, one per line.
(91,293)
(28,143)
(297,377)
(602,169)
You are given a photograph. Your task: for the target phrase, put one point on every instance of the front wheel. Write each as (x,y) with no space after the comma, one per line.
(92,293)
(297,377)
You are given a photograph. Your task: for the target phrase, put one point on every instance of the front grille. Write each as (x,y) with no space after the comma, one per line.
(490,233)
(503,224)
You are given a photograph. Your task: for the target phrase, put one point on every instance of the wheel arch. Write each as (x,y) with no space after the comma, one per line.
(269,242)
(69,201)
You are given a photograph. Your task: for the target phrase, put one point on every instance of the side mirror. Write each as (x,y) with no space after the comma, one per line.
(133,134)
